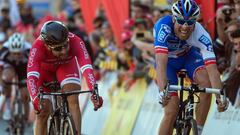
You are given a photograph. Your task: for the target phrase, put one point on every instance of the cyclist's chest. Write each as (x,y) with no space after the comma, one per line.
(175,44)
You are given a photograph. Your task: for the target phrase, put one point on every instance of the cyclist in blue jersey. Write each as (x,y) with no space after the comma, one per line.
(182,43)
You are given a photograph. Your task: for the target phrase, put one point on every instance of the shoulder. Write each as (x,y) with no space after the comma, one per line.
(38,43)
(74,39)
(5,44)
(164,21)
(201,35)
(163,28)
(38,46)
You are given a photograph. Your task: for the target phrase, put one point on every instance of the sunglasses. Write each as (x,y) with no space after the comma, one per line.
(60,47)
(182,21)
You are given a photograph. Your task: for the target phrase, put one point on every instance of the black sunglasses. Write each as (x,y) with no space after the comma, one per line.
(182,21)
(59,48)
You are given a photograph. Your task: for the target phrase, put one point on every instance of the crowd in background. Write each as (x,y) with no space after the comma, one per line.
(135,59)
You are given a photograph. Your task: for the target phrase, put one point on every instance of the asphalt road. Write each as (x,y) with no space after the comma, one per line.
(4,124)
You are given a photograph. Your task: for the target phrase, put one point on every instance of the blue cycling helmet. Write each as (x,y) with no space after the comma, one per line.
(186,9)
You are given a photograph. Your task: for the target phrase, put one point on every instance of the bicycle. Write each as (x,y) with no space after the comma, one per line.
(185,121)
(60,121)
(16,124)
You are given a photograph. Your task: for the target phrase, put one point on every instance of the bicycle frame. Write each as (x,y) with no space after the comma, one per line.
(16,124)
(186,107)
(60,107)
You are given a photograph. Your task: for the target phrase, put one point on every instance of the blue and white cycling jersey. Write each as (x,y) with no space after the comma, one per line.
(165,40)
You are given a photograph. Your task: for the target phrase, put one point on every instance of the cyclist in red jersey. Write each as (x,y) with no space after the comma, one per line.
(58,54)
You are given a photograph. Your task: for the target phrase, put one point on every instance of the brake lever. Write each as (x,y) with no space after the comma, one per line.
(95,95)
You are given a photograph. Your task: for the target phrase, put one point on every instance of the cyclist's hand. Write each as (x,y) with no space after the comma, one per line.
(222,105)
(163,98)
(36,105)
(97,102)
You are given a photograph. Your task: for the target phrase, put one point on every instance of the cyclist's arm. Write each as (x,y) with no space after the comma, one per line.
(85,63)
(214,76)
(161,33)
(202,40)
(33,73)
(161,61)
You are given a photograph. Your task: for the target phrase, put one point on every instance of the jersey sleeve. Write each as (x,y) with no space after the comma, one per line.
(161,33)
(202,40)
(84,62)
(33,71)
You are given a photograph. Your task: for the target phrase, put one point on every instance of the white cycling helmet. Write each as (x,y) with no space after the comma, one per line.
(16,42)
(186,9)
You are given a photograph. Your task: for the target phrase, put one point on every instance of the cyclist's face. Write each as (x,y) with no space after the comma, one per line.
(16,55)
(183,29)
(61,51)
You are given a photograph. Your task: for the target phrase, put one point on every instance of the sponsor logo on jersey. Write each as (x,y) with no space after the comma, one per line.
(85,52)
(163,33)
(207,42)
(31,57)
(32,86)
(91,79)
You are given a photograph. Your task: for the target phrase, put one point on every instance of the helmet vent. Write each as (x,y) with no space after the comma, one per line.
(175,10)
(187,7)
(196,13)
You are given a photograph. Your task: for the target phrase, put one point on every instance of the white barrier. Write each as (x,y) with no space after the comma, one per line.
(150,115)
(225,123)
(93,121)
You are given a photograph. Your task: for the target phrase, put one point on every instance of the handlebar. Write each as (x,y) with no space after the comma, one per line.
(196,89)
(67,93)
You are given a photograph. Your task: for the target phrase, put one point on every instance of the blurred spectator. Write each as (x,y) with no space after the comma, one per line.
(95,36)
(224,15)
(223,51)
(72,27)
(5,21)
(237,7)
(106,57)
(138,10)
(26,25)
(141,32)
(236,41)
(232,84)
(157,13)
(128,24)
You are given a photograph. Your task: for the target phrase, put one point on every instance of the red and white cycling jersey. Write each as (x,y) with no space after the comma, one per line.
(42,65)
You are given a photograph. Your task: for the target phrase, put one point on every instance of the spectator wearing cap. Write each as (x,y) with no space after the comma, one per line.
(223,51)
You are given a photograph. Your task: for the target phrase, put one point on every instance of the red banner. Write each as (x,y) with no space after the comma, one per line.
(208,15)
(117,12)
(89,8)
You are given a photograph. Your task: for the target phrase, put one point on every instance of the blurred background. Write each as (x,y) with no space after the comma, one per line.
(118,36)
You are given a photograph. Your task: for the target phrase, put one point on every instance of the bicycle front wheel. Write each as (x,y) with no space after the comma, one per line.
(69,126)
(190,127)
(52,127)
